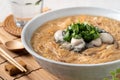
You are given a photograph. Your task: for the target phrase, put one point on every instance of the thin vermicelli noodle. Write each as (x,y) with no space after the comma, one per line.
(44,44)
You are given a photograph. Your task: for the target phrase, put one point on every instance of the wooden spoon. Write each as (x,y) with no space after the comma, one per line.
(14,44)
(10,42)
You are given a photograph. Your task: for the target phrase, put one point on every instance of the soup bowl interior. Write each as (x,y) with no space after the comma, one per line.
(67,71)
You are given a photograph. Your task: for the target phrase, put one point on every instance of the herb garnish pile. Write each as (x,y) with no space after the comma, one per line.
(81,30)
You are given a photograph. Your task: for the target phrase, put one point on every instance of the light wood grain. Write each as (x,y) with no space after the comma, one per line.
(35,71)
(6,34)
(5,53)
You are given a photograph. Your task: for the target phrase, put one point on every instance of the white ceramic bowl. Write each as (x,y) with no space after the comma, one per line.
(67,71)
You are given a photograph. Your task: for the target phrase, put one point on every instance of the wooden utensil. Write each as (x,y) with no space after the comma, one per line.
(14,44)
(10,42)
(4,53)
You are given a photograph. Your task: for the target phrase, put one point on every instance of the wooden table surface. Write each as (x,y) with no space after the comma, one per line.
(35,71)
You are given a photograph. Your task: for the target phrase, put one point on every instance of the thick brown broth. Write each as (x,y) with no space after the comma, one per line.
(44,44)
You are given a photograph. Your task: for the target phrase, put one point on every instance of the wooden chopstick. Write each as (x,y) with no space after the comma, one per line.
(11,60)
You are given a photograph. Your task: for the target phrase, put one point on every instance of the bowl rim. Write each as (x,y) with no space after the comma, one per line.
(33,53)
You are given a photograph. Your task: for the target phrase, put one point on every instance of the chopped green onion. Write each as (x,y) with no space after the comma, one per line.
(67,36)
(81,30)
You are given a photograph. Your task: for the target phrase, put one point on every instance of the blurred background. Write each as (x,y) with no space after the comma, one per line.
(56,4)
